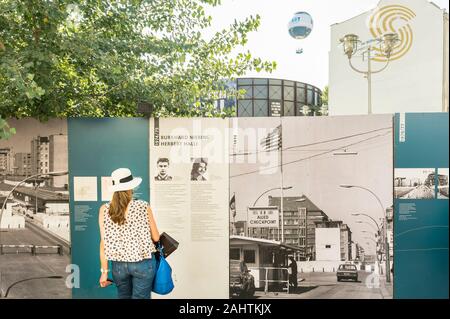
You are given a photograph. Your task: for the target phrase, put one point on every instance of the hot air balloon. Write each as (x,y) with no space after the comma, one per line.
(300,25)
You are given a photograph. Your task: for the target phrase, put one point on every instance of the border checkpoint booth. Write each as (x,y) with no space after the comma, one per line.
(266,259)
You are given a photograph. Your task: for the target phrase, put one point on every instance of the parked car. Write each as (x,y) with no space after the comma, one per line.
(242,283)
(347,271)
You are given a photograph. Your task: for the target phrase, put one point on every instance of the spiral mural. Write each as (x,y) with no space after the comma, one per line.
(393,18)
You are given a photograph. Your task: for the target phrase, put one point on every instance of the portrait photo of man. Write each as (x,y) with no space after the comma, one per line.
(162,165)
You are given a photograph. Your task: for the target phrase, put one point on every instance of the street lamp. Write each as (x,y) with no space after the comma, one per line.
(369,238)
(370,233)
(368,216)
(377,233)
(386,243)
(386,43)
(371,225)
(269,190)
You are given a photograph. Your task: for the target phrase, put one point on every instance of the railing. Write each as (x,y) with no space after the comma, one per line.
(266,279)
(32,249)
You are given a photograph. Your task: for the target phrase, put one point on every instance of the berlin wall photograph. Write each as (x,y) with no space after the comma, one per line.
(317,222)
(34,218)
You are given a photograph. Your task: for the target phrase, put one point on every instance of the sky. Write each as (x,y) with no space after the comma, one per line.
(272,41)
(30,128)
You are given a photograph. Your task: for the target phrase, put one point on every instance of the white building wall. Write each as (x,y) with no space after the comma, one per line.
(59,158)
(57,208)
(415,82)
(328,244)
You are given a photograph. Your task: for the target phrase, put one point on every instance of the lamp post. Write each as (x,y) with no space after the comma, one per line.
(371,225)
(368,216)
(383,214)
(61,173)
(385,44)
(269,190)
(368,232)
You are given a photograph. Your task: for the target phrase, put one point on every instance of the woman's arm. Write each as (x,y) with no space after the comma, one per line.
(103,260)
(153,229)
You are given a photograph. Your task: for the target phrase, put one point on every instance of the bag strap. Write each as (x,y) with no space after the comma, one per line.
(160,248)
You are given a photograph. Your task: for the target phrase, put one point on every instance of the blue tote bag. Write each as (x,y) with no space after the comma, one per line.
(162,283)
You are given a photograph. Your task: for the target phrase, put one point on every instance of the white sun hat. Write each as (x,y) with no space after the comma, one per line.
(123,180)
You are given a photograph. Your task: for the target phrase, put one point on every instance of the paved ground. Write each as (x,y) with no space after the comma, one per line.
(421,191)
(18,264)
(325,286)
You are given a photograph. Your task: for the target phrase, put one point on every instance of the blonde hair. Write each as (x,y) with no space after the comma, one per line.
(118,206)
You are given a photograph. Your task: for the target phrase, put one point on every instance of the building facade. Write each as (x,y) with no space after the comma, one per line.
(274,97)
(5,161)
(42,200)
(346,243)
(22,164)
(58,159)
(422,50)
(40,155)
(328,243)
(300,217)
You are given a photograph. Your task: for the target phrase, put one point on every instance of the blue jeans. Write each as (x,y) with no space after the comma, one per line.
(134,279)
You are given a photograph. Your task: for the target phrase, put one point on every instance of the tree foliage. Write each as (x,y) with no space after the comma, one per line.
(102,57)
(5,131)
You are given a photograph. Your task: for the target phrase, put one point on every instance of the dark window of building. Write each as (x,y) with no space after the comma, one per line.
(247,91)
(301,96)
(266,257)
(275,92)
(234,254)
(310,97)
(249,256)
(260,81)
(327,246)
(261,108)
(260,92)
(289,83)
(288,93)
(245,108)
(244,81)
(289,108)
(275,81)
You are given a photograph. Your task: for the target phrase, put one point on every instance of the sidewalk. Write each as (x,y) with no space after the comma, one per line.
(386,288)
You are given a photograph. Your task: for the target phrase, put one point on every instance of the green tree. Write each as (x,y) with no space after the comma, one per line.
(102,57)
(5,130)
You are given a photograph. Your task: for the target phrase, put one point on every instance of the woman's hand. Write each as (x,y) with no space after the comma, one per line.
(104,280)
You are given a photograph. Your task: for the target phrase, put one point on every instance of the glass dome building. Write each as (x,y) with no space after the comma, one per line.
(274,97)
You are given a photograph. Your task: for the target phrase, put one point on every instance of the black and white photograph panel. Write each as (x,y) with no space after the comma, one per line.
(34,217)
(316,222)
(414,183)
(442,192)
